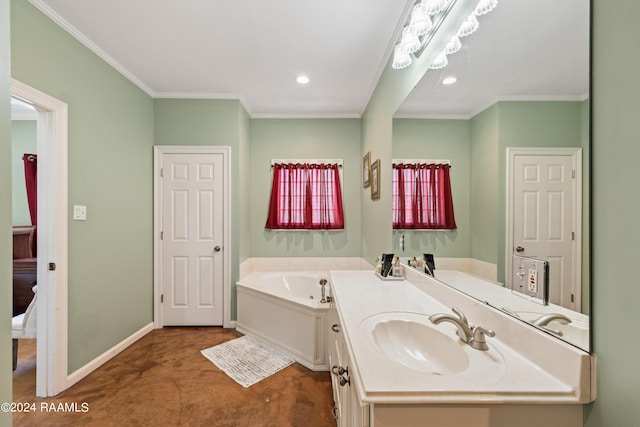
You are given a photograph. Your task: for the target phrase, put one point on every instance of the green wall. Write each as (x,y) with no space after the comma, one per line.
(437,139)
(304,139)
(244,189)
(6,247)
(484,186)
(109,170)
(586,205)
(23,140)
(616,209)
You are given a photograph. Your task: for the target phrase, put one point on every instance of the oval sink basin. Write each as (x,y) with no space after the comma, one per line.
(412,340)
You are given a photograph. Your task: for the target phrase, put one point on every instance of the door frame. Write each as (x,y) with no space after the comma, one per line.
(52,143)
(576,247)
(158,152)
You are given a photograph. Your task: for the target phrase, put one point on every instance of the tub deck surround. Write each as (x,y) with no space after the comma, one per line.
(301,287)
(263,264)
(547,371)
(284,309)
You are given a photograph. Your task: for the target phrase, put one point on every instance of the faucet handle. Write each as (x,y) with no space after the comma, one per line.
(460,315)
(478,341)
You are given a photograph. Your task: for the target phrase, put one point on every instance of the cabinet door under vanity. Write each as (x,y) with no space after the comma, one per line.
(348,410)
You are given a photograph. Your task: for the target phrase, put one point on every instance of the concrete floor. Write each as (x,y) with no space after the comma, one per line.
(163,380)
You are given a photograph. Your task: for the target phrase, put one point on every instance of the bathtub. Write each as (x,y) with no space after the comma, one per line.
(284,309)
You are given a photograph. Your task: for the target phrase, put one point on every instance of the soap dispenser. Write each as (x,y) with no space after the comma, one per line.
(396,271)
(378,265)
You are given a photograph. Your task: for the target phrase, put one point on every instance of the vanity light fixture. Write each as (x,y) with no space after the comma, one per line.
(425,20)
(302,79)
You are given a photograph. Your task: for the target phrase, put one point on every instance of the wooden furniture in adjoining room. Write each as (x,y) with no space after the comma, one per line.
(24,266)
(24,278)
(24,241)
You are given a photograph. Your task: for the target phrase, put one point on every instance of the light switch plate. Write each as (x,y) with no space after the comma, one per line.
(79,213)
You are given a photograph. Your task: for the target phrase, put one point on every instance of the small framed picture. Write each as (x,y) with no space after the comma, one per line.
(366,170)
(375,180)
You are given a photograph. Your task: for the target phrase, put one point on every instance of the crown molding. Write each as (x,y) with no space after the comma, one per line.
(307,116)
(530,98)
(431,116)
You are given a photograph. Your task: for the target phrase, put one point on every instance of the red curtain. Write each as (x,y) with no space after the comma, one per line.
(31,180)
(422,197)
(305,196)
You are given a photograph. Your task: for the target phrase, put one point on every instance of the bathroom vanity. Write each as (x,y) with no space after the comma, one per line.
(392,366)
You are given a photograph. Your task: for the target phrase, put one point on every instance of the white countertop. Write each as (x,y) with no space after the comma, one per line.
(359,294)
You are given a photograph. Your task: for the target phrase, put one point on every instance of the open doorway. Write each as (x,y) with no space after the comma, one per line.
(51,238)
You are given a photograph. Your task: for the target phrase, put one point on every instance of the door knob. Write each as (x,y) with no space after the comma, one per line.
(519,249)
(216,249)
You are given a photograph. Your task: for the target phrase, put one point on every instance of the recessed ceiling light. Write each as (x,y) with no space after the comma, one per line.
(302,79)
(449,80)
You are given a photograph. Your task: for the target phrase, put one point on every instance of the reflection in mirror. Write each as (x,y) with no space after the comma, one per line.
(518,110)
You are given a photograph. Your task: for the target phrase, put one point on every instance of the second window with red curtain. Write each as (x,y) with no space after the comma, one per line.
(305,196)
(422,196)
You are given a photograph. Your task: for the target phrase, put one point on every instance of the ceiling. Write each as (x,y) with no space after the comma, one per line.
(252,50)
(523,50)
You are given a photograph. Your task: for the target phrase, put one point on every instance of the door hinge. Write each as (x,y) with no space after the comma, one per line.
(161,172)
(162,235)
(572,298)
(573,235)
(52,266)
(162,298)
(573,173)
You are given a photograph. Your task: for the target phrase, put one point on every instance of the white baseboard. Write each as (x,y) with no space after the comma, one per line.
(79,374)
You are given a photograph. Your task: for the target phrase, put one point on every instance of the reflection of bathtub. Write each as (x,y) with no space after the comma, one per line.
(284,310)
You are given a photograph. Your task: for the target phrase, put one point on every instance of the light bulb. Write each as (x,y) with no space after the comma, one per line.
(410,42)
(401,59)
(485,6)
(453,46)
(469,26)
(420,23)
(433,7)
(441,61)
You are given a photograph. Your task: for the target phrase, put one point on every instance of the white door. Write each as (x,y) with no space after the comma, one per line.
(192,241)
(545,213)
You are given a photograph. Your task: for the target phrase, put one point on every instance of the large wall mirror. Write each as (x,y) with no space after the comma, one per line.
(518,112)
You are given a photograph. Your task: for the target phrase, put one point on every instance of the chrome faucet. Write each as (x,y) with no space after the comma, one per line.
(472,335)
(544,320)
(323,283)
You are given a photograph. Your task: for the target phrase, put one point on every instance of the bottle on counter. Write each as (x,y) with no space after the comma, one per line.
(396,270)
(378,265)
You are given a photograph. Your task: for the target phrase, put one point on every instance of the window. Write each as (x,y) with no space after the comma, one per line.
(305,196)
(422,197)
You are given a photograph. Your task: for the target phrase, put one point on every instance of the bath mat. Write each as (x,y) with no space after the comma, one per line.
(247,360)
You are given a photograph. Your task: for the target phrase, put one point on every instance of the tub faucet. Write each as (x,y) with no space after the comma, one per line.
(544,320)
(472,335)
(323,283)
